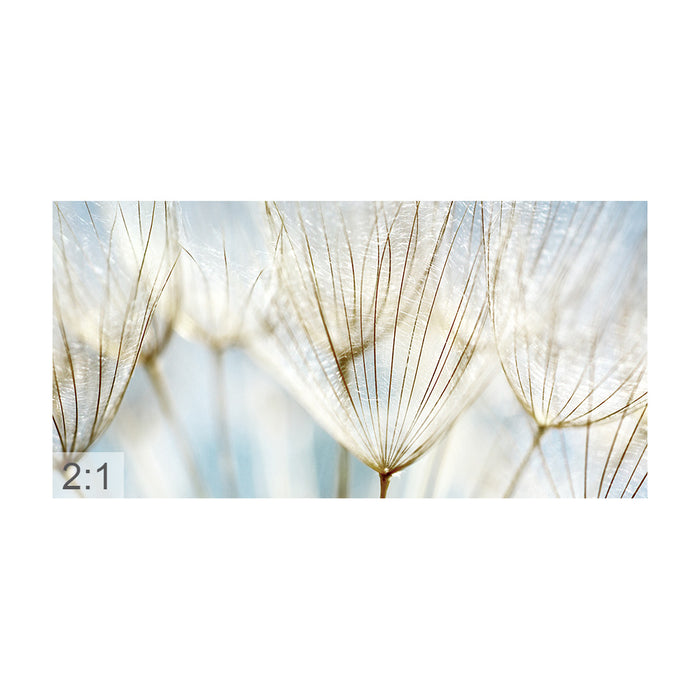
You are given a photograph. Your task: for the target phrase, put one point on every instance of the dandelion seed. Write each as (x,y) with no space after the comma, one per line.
(567,293)
(111,263)
(375,318)
(223,256)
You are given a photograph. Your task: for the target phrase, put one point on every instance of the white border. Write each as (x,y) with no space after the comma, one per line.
(322,599)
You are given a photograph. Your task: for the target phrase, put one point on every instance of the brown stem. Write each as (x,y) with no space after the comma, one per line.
(155,374)
(384,484)
(526,459)
(343,473)
(228,462)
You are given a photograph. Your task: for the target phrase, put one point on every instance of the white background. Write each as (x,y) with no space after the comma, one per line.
(360,599)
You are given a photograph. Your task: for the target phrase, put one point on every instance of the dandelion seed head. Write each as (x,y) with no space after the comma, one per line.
(568,305)
(375,319)
(111,263)
(224,253)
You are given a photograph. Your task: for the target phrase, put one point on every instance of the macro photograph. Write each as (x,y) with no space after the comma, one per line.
(413,349)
